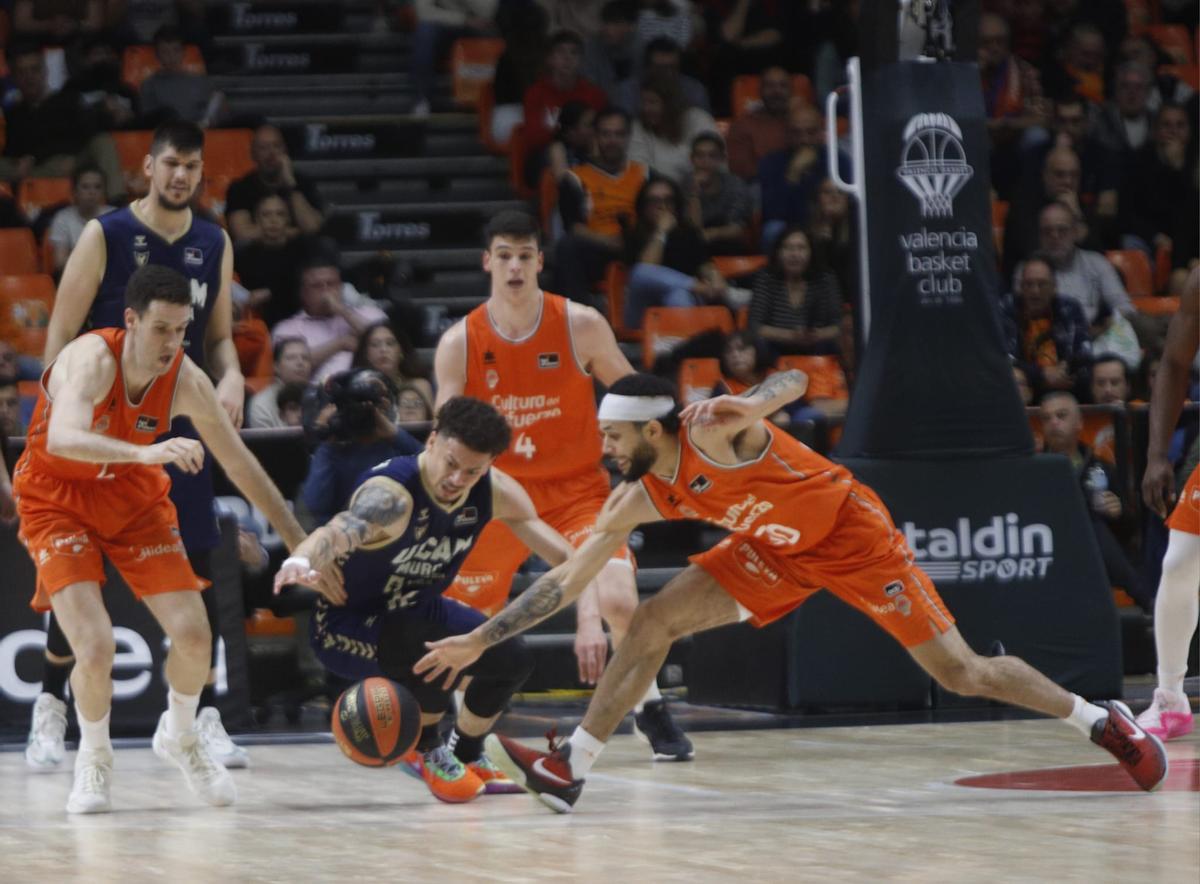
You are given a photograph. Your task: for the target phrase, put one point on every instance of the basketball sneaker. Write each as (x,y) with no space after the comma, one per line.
(93,781)
(655,725)
(495,781)
(544,775)
(44,749)
(448,778)
(1140,753)
(216,740)
(204,775)
(1168,717)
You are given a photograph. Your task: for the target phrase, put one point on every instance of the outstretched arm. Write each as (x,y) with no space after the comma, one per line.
(378,512)
(731,415)
(552,591)
(196,398)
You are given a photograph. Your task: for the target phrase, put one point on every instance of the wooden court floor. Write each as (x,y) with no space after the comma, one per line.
(872,803)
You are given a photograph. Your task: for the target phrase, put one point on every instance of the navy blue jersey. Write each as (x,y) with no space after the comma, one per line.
(130,244)
(423,561)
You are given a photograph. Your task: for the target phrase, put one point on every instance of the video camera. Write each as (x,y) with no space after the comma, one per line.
(356,396)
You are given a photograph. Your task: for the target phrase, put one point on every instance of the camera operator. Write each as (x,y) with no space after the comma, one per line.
(356,418)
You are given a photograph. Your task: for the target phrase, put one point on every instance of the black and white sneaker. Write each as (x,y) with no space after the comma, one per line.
(655,725)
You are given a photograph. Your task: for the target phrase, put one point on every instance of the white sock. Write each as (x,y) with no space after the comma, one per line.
(1176,609)
(1084,715)
(585,749)
(93,734)
(181,712)
(652,693)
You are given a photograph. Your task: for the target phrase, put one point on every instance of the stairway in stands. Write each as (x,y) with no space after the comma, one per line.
(420,190)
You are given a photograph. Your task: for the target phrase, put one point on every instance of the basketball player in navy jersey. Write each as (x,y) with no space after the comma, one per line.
(410,524)
(161,229)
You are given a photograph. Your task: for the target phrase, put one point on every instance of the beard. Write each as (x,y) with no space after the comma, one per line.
(167,203)
(640,462)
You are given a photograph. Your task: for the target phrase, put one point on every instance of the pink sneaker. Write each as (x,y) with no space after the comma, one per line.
(1167,717)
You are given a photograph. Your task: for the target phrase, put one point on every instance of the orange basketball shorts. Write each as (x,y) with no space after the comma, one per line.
(865,561)
(69,526)
(1186,515)
(568,506)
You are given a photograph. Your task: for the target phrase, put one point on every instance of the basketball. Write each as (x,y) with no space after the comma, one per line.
(375,722)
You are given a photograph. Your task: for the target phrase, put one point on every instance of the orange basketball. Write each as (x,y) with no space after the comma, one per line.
(375,722)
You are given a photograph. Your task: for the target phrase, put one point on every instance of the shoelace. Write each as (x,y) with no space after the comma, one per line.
(663,722)
(443,762)
(556,742)
(199,760)
(92,778)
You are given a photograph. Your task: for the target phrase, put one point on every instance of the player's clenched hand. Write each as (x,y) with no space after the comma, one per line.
(231,393)
(331,584)
(450,656)
(716,411)
(185,454)
(591,650)
(1158,486)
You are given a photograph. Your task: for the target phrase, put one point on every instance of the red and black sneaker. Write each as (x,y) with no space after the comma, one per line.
(544,775)
(1140,753)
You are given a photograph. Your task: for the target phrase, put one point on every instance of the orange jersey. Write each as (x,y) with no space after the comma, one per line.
(787,498)
(115,417)
(541,389)
(610,196)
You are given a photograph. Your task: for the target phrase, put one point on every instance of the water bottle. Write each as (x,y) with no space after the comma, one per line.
(1097,484)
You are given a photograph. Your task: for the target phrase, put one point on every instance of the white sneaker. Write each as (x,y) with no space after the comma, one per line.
(44,750)
(220,746)
(205,776)
(93,782)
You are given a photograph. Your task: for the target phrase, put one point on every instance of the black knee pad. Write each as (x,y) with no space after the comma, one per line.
(401,644)
(496,676)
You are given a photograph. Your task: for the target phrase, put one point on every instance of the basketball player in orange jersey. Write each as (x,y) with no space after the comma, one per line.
(535,357)
(1177,605)
(90,484)
(797,523)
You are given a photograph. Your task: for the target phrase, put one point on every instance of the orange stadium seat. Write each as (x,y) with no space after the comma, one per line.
(1161,306)
(139,62)
(747,91)
(28,300)
(826,380)
(1185,73)
(18,251)
(35,194)
(697,377)
(472,64)
(616,277)
(664,327)
(227,153)
(132,147)
(1175,41)
(1134,267)
(736,266)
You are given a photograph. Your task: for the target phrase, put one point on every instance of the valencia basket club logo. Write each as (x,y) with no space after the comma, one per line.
(933,165)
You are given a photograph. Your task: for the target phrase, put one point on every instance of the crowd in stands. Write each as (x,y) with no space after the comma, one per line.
(677,155)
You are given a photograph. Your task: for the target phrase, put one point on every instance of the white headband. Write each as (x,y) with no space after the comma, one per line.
(615,407)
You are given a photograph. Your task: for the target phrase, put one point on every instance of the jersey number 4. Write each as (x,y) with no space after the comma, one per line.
(524,445)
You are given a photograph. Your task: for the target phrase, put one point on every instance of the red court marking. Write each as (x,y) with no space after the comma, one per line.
(1184,776)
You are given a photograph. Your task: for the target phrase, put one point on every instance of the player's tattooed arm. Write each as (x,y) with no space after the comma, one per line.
(531,607)
(778,389)
(378,512)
